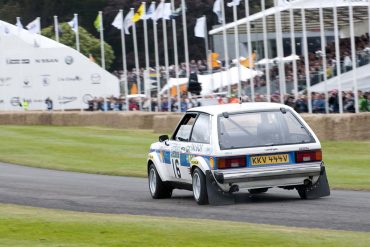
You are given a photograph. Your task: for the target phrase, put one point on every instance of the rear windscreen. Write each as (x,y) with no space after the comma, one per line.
(255,129)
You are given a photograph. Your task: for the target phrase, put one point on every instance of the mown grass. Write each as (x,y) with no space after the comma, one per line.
(348,164)
(82,149)
(124,152)
(26,226)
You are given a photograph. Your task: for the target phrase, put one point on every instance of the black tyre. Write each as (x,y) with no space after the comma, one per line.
(200,187)
(158,189)
(302,192)
(258,191)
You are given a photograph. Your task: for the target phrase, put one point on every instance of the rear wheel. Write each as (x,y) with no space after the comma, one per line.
(258,191)
(158,189)
(199,187)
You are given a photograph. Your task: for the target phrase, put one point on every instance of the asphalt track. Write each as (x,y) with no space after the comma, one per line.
(343,210)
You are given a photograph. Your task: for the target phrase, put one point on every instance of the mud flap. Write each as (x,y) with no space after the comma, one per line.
(215,195)
(320,188)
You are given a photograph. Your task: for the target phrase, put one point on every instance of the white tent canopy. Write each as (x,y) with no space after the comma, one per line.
(33,68)
(363,78)
(215,80)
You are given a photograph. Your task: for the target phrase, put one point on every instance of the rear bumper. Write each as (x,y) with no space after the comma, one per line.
(246,175)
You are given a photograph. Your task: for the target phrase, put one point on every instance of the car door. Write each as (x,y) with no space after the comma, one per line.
(179,169)
(200,140)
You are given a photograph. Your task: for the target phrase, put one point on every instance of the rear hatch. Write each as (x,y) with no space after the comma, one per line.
(264,138)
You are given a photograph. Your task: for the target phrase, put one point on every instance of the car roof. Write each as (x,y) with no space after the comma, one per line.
(219,109)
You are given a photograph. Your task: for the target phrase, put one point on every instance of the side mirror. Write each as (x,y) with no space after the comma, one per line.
(164,138)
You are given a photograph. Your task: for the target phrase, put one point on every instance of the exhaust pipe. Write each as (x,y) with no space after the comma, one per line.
(307,182)
(234,188)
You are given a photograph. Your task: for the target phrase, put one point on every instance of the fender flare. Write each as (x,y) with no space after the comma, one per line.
(201,163)
(154,158)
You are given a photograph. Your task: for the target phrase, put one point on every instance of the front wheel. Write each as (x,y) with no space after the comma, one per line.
(158,189)
(200,187)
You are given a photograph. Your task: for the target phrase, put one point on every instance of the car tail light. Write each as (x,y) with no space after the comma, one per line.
(308,156)
(233,162)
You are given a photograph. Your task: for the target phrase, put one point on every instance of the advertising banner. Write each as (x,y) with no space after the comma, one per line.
(34,68)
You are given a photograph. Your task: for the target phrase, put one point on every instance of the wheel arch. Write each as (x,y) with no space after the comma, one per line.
(154,159)
(199,162)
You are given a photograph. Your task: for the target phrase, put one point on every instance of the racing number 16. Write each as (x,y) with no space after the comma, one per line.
(176,167)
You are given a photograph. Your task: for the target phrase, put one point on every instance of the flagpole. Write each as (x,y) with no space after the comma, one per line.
(266,52)
(147,55)
(337,59)
(323,56)
(306,61)
(237,52)
(206,46)
(165,44)
(102,40)
(354,57)
(77,34)
(225,49)
(185,31)
(124,59)
(56,28)
(250,49)
(279,44)
(174,33)
(294,52)
(137,62)
(208,52)
(155,31)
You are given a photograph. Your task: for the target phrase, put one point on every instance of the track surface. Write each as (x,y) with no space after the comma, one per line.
(345,210)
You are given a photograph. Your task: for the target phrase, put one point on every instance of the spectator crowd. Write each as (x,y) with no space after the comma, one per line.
(321,102)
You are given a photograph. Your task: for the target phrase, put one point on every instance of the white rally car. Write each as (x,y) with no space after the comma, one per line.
(218,150)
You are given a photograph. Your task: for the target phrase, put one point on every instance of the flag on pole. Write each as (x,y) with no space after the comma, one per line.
(19,23)
(118,21)
(217,9)
(177,12)
(233,3)
(134,89)
(167,11)
(216,64)
(245,62)
(73,24)
(200,27)
(34,26)
(149,12)
(97,23)
(139,14)
(127,23)
(158,13)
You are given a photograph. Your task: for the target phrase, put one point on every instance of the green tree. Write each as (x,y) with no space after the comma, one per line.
(88,43)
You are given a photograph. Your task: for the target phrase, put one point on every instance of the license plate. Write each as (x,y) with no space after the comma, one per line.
(270,159)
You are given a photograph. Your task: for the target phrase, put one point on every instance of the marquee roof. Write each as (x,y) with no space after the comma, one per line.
(311,7)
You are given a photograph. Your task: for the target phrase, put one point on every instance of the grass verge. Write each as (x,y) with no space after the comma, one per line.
(26,226)
(124,152)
